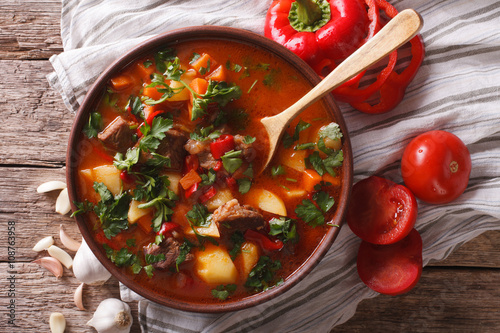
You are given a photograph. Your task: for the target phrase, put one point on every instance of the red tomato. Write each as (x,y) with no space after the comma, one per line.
(391,269)
(436,167)
(381,211)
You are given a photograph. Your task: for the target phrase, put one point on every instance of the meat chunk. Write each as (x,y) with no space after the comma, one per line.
(248,153)
(233,216)
(117,136)
(170,247)
(172,146)
(202,150)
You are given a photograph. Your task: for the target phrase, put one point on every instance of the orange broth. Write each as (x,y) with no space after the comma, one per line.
(268,86)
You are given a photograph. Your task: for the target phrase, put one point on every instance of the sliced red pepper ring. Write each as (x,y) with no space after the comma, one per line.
(222,145)
(152,115)
(265,242)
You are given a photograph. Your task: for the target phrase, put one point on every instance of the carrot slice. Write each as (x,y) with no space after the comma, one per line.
(145,223)
(204,64)
(189,179)
(199,85)
(310,179)
(219,74)
(335,181)
(152,92)
(143,71)
(122,82)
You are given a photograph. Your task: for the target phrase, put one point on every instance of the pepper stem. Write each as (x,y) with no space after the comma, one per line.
(308,11)
(309,15)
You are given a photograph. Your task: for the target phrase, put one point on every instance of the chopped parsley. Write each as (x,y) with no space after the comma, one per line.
(185,248)
(217,92)
(277,170)
(131,158)
(112,210)
(199,216)
(237,239)
(93,126)
(232,161)
(284,228)
(154,134)
(288,139)
(312,214)
(244,185)
(223,292)
(262,276)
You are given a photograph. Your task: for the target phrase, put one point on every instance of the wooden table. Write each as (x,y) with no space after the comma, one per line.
(460,294)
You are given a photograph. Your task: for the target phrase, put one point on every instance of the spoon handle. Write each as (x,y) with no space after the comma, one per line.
(394,34)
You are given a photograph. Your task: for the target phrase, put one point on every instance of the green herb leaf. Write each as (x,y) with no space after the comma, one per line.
(93,126)
(244,185)
(309,213)
(223,292)
(199,216)
(284,228)
(332,131)
(153,258)
(162,57)
(209,178)
(131,158)
(184,249)
(262,276)
(231,160)
(277,170)
(324,201)
(154,134)
(237,239)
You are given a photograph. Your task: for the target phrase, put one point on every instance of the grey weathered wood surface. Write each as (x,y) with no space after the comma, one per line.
(459,294)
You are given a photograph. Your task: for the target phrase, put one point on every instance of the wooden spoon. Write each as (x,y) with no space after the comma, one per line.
(394,34)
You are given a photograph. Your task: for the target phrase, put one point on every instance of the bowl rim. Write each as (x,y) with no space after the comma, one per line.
(178,36)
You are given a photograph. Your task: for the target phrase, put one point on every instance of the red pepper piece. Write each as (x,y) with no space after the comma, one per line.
(208,194)
(232,184)
(222,145)
(152,116)
(218,165)
(265,242)
(191,162)
(138,130)
(126,177)
(166,228)
(99,151)
(191,190)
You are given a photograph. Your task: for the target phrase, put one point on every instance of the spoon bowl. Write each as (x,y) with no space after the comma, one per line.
(393,35)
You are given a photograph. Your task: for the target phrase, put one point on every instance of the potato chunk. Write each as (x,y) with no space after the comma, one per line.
(269,202)
(109,176)
(248,258)
(221,197)
(293,159)
(135,213)
(214,265)
(211,231)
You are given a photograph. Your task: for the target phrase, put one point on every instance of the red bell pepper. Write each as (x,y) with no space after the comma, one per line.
(232,184)
(152,115)
(191,162)
(126,177)
(222,145)
(166,228)
(351,24)
(319,31)
(208,194)
(265,242)
(99,151)
(191,190)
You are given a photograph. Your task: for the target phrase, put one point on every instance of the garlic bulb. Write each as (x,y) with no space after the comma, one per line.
(112,316)
(87,268)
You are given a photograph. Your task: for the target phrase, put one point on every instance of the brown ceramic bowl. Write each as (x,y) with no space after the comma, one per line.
(170,39)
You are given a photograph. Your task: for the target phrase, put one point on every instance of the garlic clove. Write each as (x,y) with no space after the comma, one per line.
(78,297)
(63,206)
(57,322)
(61,255)
(87,268)
(112,316)
(51,264)
(43,244)
(51,186)
(67,241)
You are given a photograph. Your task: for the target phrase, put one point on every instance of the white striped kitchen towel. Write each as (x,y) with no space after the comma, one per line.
(457,89)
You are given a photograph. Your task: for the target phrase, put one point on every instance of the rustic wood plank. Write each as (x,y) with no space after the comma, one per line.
(36,124)
(444,300)
(29,29)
